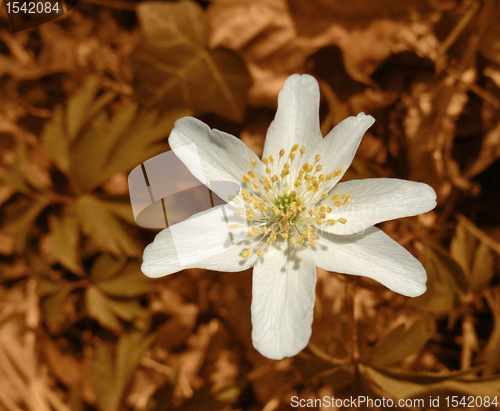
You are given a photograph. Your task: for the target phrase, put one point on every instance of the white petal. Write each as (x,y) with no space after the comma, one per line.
(283,294)
(297,118)
(338,148)
(374,255)
(211,155)
(201,241)
(378,199)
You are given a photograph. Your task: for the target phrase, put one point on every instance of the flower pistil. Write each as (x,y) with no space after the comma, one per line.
(287,201)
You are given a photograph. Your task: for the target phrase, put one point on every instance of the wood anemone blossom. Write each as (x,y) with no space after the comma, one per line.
(294,215)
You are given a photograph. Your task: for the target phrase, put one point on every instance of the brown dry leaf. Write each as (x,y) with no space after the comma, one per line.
(371,31)
(275,44)
(183,318)
(365,48)
(19,63)
(191,360)
(100,45)
(20,373)
(314,16)
(431,112)
(254,140)
(263,33)
(226,369)
(64,365)
(57,54)
(490,47)
(7,245)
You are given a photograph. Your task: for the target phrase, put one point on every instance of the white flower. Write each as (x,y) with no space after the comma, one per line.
(298,216)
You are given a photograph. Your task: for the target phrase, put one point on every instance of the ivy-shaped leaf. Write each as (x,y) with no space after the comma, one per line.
(175,67)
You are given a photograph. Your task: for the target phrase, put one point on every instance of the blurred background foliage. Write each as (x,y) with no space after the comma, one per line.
(89,96)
